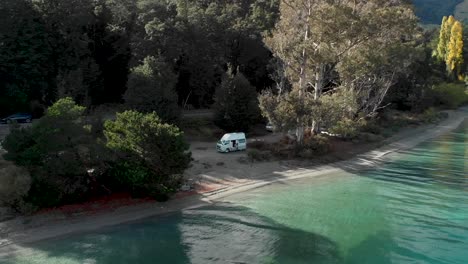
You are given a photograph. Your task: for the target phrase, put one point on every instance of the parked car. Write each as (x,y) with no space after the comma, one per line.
(269,127)
(232,142)
(20,118)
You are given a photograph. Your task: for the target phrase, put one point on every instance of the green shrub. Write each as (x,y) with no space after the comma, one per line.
(430,115)
(371,126)
(451,95)
(68,162)
(22,146)
(137,178)
(65,110)
(55,151)
(346,128)
(130,173)
(313,145)
(156,150)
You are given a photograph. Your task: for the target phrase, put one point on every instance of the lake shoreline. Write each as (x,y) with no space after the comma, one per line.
(17,233)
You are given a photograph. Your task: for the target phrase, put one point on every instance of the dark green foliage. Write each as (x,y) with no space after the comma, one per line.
(430,115)
(85,49)
(91,49)
(68,162)
(61,48)
(313,146)
(21,147)
(198,38)
(25,67)
(411,90)
(54,150)
(130,173)
(236,104)
(450,95)
(15,183)
(151,87)
(153,151)
(346,128)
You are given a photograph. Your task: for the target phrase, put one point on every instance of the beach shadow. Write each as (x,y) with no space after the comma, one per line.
(223,233)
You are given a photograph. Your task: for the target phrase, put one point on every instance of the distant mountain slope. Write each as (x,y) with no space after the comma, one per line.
(432,11)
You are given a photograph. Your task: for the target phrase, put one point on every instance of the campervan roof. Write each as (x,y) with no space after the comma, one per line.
(233,135)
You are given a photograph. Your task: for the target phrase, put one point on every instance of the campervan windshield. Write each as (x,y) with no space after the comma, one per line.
(223,142)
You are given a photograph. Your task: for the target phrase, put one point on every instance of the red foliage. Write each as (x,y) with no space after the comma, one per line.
(101,204)
(115,201)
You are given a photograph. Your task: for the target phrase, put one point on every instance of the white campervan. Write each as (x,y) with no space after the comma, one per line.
(232,142)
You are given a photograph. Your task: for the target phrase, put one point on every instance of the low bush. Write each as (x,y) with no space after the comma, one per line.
(254,155)
(450,95)
(347,128)
(370,137)
(15,183)
(259,145)
(371,126)
(22,147)
(314,145)
(430,115)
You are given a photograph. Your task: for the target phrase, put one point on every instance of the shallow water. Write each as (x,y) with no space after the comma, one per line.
(414,210)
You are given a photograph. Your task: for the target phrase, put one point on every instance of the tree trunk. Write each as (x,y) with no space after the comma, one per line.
(319,85)
(303,75)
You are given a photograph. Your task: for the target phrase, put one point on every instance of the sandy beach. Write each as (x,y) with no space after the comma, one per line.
(214,184)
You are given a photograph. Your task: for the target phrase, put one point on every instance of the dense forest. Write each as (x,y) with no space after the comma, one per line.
(89,50)
(96,51)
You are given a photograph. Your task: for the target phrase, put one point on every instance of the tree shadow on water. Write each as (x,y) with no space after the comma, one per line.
(222,233)
(227,233)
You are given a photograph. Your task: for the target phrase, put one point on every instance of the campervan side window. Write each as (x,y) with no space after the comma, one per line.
(241,140)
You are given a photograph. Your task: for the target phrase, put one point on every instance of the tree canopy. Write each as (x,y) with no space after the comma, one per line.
(450,45)
(87,49)
(353,45)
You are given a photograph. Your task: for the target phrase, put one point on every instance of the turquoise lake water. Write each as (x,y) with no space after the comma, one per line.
(413,210)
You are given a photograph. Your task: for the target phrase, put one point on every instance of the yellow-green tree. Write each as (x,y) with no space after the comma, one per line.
(454,59)
(444,37)
(450,45)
